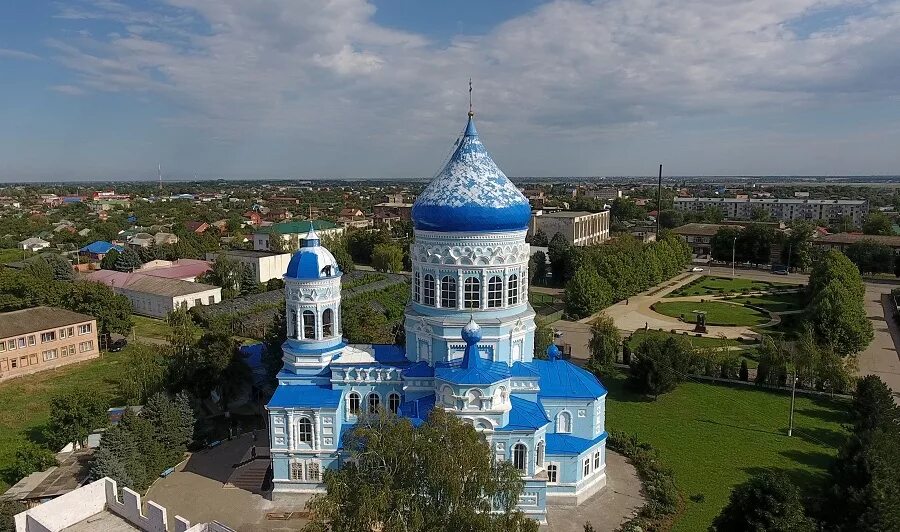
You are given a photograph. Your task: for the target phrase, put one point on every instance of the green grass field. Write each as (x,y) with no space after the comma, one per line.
(13,255)
(776,302)
(150,327)
(714,437)
(26,400)
(710,285)
(717,313)
(702,341)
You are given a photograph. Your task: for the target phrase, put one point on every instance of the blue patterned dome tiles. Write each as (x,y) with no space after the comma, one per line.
(312,261)
(471,193)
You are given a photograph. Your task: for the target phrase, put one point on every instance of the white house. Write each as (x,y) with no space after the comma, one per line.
(266,265)
(157,296)
(34,244)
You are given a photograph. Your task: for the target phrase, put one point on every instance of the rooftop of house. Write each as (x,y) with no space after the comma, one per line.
(148,284)
(35,319)
(698,229)
(851,238)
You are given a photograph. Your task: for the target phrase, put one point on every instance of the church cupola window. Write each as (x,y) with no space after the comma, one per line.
(448,292)
(513,290)
(417,288)
(374,400)
(304,430)
(428,290)
(495,292)
(472,293)
(309,325)
(394,402)
(520,456)
(353,403)
(473,400)
(564,423)
(539,455)
(328,323)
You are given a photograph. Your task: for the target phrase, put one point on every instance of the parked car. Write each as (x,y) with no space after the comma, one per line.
(780,272)
(118,345)
(696,269)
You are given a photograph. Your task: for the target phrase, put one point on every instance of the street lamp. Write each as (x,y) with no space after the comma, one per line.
(733,248)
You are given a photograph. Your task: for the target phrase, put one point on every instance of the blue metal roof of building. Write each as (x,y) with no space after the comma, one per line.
(389,354)
(312,261)
(525,415)
(568,444)
(419,369)
(417,410)
(310,396)
(560,378)
(100,247)
(487,372)
(520,369)
(471,193)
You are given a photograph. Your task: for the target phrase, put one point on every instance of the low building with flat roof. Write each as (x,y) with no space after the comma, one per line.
(783,209)
(266,265)
(841,241)
(157,296)
(580,228)
(39,338)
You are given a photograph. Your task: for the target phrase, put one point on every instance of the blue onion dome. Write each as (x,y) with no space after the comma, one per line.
(471,332)
(312,261)
(552,352)
(471,194)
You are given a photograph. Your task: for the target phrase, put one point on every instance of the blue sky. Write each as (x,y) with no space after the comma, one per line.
(105,89)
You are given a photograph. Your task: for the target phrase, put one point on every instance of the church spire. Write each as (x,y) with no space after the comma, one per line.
(471,334)
(471,112)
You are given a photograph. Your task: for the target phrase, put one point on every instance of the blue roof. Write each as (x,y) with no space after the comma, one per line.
(471,193)
(417,410)
(389,354)
(312,261)
(419,369)
(520,369)
(487,372)
(560,378)
(310,396)
(568,444)
(525,415)
(100,247)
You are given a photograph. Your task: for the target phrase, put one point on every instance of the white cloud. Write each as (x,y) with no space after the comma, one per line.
(17,54)
(591,70)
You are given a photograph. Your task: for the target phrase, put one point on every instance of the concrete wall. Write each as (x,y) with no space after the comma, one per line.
(85,345)
(158,306)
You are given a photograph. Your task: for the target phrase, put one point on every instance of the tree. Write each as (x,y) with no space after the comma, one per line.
(773,361)
(713,215)
(127,261)
(182,331)
(538,268)
(835,266)
(871,257)
(113,311)
(73,416)
(225,273)
(108,262)
(559,250)
(29,457)
(873,404)
(441,476)
(625,209)
(145,372)
(877,223)
(543,337)
(723,243)
(768,502)
(659,364)
(8,510)
(174,419)
(840,320)
(277,243)
(61,268)
(387,258)
(670,218)
(604,344)
(586,293)
(754,243)
(759,214)
(207,366)
(343,258)
(744,374)
(539,239)
(363,324)
(248,281)
(796,245)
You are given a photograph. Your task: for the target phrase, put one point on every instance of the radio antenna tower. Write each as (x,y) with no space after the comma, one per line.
(159,174)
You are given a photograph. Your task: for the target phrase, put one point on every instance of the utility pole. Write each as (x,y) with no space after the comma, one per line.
(793,393)
(733,248)
(658,201)
(790,249)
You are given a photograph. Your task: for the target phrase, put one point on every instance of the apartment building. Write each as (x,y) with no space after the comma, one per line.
(39,338)
(580,228)
(785,210)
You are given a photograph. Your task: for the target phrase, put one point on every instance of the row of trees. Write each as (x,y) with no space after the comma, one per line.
(601,275)
(755,243)
(861,492)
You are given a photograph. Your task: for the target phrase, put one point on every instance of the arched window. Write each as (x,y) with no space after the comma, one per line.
(504,395)
(539,454)
(473,399)
(512,290)
(552,473)
(495,292)
(447,396)
(520,456)
(472,293)
(304,430)
(564,422)
(373,402)
(416,287)
(394,402)
(353,403)
(448,292)
(309,325)
(428,290)
(328,323)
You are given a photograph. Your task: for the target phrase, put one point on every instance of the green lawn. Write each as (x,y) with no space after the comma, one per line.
(150,327)
(776,302)
(696,341)
(13,255)
(26,399)
(715,437)
(711,285)
(788,329)
(717,312)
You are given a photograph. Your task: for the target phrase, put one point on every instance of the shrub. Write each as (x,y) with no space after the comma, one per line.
(658,481)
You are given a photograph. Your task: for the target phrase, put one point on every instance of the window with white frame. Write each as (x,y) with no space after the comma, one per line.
(297,470)
(564,423)
(304,430)
(597,460)
(520,456)
(448,292)
(495,292)
(50,354)
(84,329)
(373,402)
(327,323)
(472,293)
(428,290)
(512,290)
(353,403)
(23,343)
(309,325)
(417,281)
(394,402)
(539,454)
(312,471)
(552,473)
(46,337)
(587,466)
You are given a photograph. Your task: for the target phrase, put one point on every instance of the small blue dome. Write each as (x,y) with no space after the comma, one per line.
(312,261)
(552,352)
(471,332)
(471,194)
